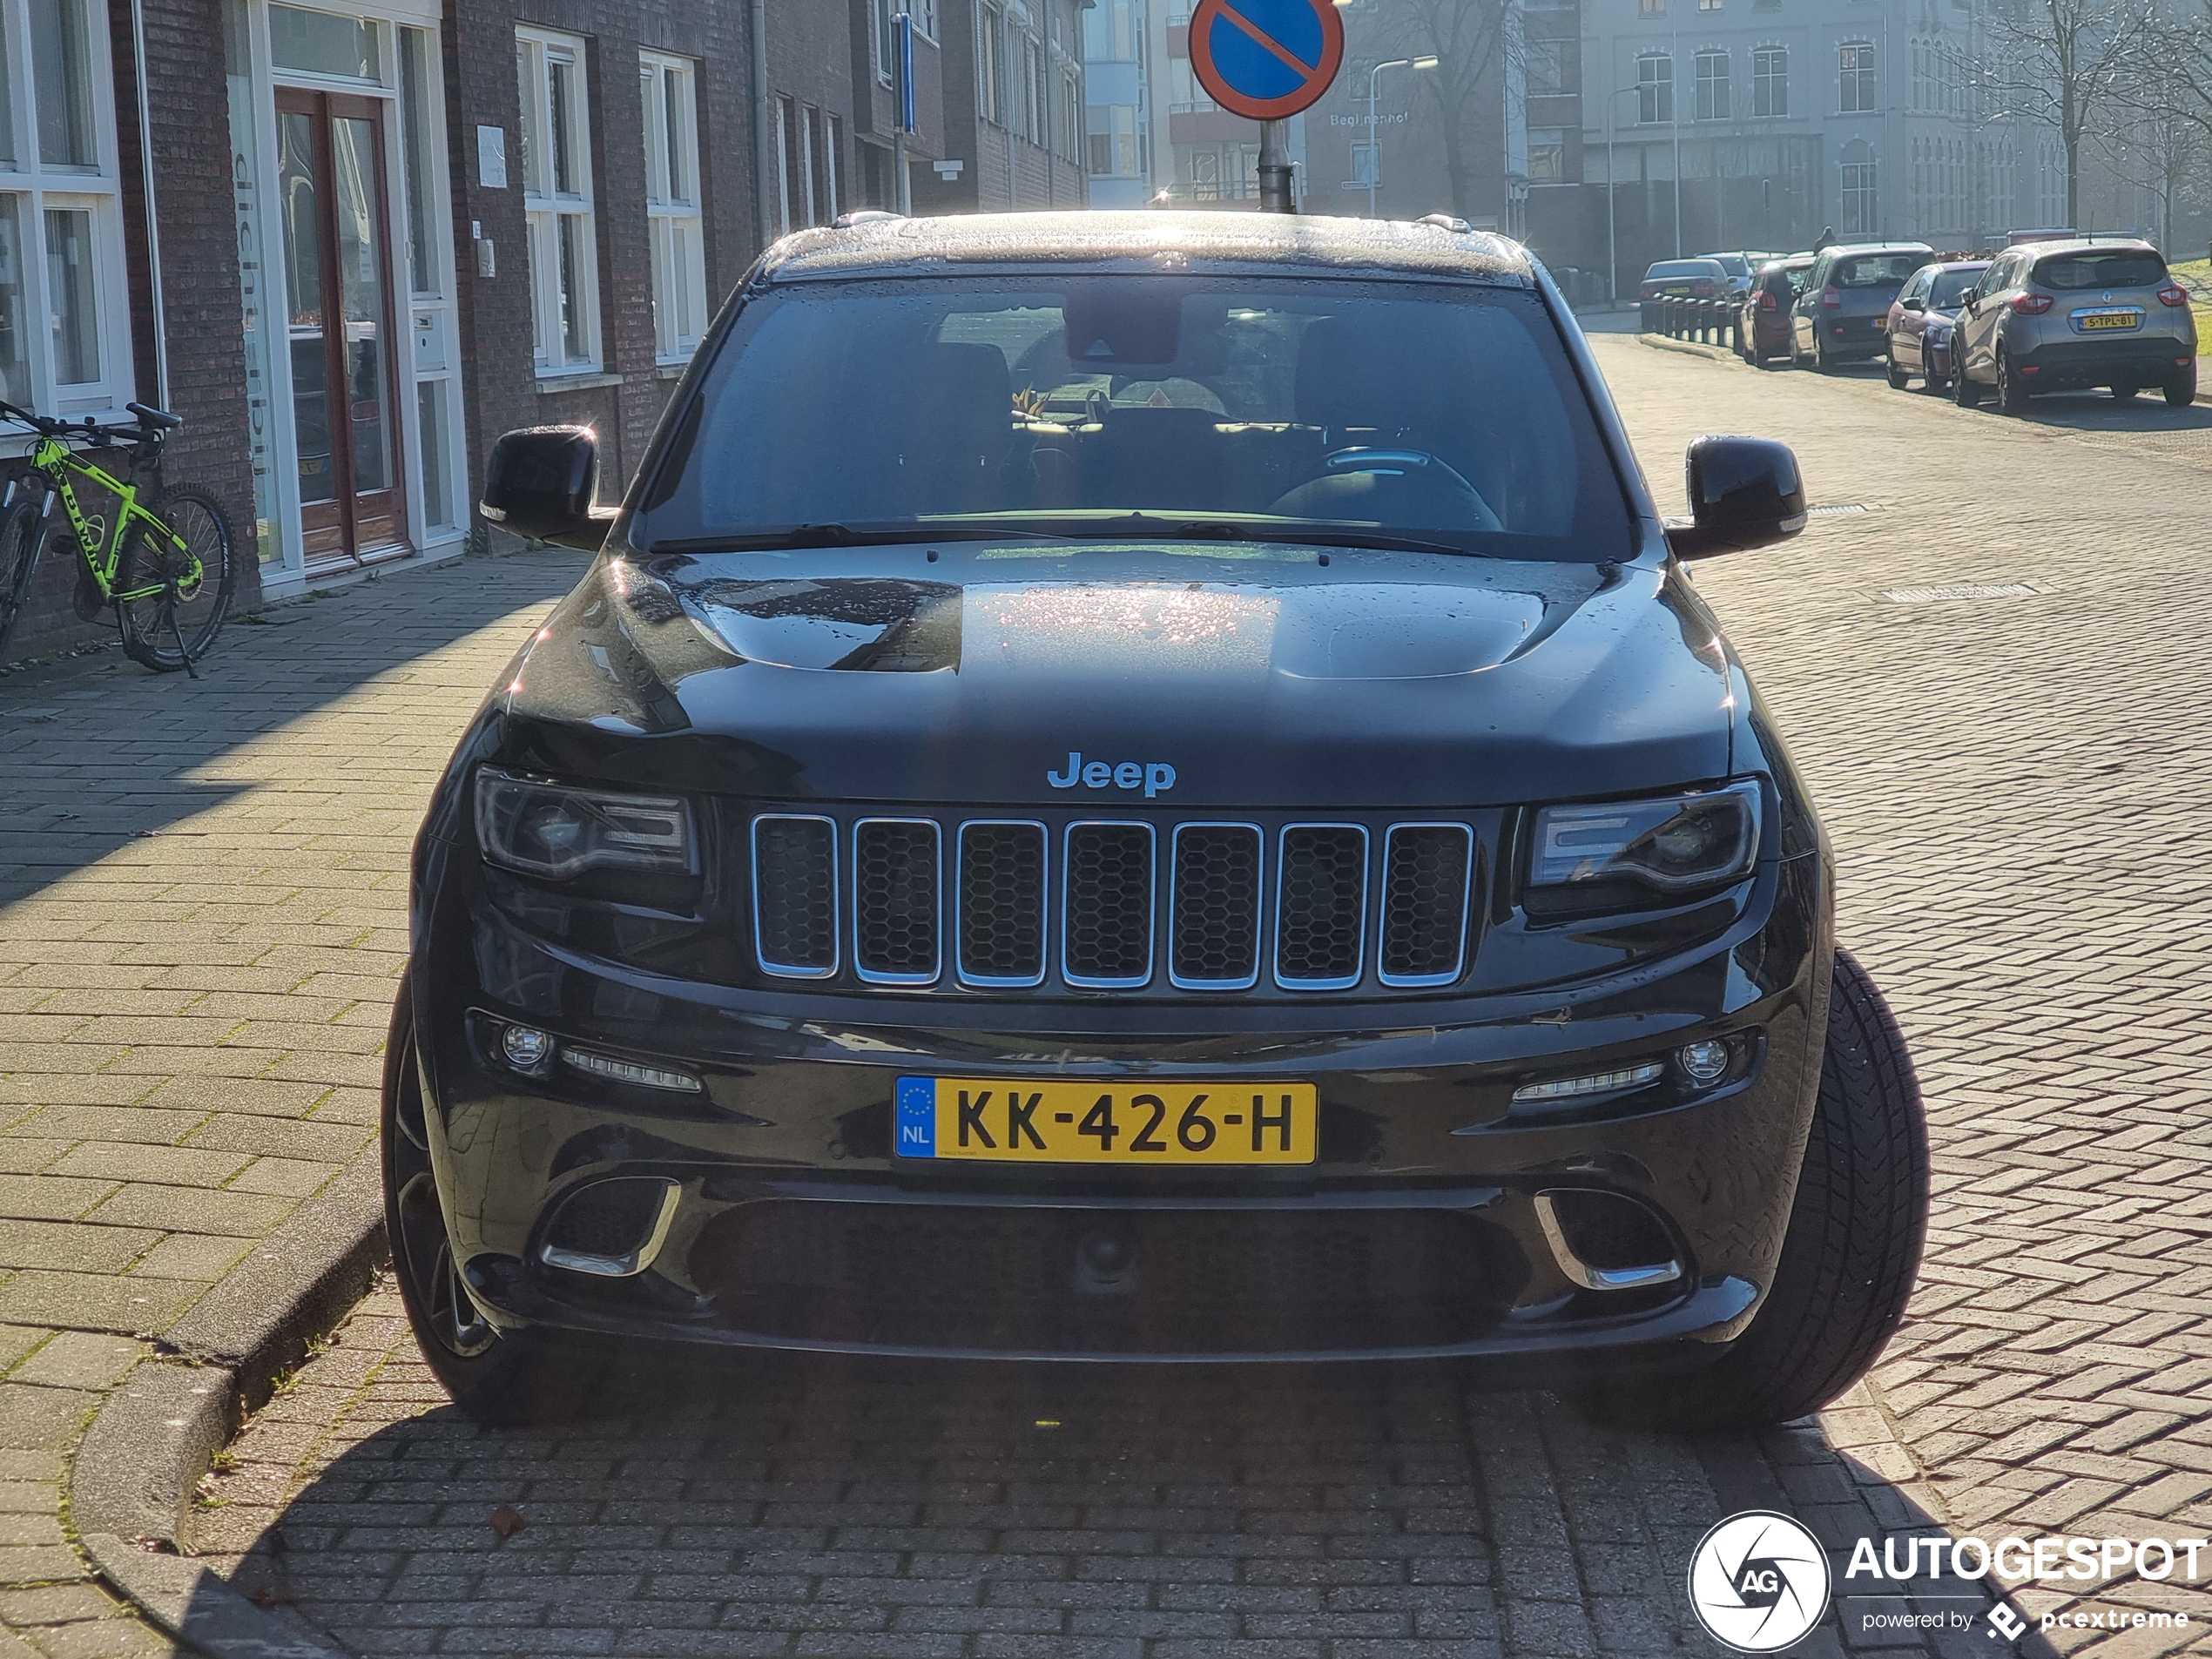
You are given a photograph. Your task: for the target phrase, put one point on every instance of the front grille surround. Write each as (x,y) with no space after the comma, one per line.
(898,904)
(1065,904)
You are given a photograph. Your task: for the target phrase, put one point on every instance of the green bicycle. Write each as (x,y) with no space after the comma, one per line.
(162,558)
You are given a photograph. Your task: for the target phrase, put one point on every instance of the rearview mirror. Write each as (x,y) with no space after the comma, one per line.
(543,482)
(1744,493)
(1914,304)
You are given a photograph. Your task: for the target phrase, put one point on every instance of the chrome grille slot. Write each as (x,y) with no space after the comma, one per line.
(999,900)
(895,900)
(1320,906)
(1106,907)
(1428,883)
(1213,906)
(794,895)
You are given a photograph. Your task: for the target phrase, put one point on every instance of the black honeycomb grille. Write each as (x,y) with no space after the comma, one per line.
(1322,905)
(794,895)
(1108,906)
(894,899)
(1214,914)
(1425,872)
(1002,904)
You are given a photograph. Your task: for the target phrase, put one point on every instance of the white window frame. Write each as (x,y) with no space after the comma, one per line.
(95,190)
(1767,80)
(1659,86)
(1857,91)
(675,220)
(557,217)
(1715,95)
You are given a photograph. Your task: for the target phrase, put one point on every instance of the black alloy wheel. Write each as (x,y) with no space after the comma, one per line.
(1851,1254)
(1898,374)
(1965,391)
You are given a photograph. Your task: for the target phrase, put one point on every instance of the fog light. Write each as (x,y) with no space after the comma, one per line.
(1597,1083)
(525,1046)
(1703,1062)
(627,1071)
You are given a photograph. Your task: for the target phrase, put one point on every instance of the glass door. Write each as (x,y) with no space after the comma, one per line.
(337,284)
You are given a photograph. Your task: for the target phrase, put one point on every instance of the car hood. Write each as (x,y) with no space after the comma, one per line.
(1254,676)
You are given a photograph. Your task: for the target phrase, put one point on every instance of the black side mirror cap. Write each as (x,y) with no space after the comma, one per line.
(1914,305)
(1744,493)
(543,482)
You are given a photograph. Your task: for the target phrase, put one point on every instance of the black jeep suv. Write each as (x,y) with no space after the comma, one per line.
(1138,788)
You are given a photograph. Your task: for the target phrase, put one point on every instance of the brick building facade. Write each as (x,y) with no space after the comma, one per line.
(376,234)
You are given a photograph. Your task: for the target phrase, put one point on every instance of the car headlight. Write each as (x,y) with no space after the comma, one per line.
(1673,844)
(556,831)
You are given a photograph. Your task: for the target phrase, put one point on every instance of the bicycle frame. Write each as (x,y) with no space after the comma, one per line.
(101,546)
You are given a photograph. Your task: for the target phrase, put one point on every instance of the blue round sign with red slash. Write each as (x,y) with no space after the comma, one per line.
(1264,59)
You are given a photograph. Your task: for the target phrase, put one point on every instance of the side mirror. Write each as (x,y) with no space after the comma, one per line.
(1915,304)
(1744,493)
(543,481)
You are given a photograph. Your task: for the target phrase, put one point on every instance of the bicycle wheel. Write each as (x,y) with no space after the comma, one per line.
(19,542)
(169,624)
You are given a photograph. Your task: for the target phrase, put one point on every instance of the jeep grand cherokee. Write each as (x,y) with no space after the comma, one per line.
(1143,788)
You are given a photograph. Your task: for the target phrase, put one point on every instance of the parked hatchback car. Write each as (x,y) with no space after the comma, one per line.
(1842,314)
(1684,279)
(2061,315)
(1921,318)
(1144,786)
(1763,326)
(1738,268)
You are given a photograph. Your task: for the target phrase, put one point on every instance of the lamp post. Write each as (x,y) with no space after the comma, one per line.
(1612,188)
(1374,133)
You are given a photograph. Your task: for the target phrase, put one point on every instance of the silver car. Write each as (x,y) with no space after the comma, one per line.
(2058,316)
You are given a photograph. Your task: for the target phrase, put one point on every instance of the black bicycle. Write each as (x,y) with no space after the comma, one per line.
(161,556)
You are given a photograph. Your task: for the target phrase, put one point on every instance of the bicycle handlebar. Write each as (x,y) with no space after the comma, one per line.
(55,426)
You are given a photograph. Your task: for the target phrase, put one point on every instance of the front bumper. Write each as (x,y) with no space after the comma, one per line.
(1421,1231)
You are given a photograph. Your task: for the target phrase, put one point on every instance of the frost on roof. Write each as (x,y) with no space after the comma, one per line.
(1147,240)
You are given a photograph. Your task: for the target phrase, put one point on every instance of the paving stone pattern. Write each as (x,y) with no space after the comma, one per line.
(2015,790)
(202,911)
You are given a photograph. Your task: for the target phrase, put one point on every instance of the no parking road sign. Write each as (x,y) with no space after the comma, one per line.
(1266,59)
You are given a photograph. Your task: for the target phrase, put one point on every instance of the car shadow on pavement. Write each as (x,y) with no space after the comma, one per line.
(743,1505)
(98,753)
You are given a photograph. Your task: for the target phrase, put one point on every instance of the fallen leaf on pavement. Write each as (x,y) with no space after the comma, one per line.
(506,1521)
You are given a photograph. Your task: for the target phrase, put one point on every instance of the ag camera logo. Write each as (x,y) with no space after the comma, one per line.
(1759,1582)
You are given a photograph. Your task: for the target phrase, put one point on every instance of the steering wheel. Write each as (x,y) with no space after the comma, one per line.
(1413,464)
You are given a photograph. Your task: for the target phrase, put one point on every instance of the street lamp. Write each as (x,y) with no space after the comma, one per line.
(1612,182)
(1374,134)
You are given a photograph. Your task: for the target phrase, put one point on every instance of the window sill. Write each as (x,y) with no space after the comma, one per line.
(671,371)
(584,382)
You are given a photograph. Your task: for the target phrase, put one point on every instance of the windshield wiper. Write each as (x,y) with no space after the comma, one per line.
(1210,529)
(801,535)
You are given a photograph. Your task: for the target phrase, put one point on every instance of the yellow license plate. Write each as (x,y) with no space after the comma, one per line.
(1014,1121)
(2110,319)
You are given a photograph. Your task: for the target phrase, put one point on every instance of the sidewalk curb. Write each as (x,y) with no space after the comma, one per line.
(131,1479)
(1690,347)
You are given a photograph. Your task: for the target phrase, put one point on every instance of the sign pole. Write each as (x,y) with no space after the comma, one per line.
(1275,168)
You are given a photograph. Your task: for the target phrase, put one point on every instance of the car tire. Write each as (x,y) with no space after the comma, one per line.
(1965,392)
(1898,377)
(2124,393)
(2181,392)
(1851,1252)
(2012,396)
(1935,385)
(1821,359)
(494,1376)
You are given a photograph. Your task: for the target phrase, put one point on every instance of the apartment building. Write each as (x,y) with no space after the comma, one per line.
(351,241)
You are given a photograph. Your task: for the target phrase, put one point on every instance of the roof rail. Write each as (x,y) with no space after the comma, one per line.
(863,216)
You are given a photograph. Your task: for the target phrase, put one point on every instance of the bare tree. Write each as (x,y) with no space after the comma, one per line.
(2162,133)
(2066,64)
(1470,40)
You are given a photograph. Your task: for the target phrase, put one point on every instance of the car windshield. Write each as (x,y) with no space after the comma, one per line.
(2127,268)
(1667,268)
(1733,264)
(1950,287)
(1325,411)
(1876,270)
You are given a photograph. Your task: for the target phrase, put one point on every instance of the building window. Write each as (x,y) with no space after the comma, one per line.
(925,15)
(1550,66)
(1112,32)
(1113,147)
(63,322)
(1547,155)
(1712,86)
(557,202)
(887,40)
(783,167)
(1029,94)
(990,59)
(1858,67)
(1770,80)
(667,88)
(1656,89)
(1653,8)
(1709,5)
(1858,199)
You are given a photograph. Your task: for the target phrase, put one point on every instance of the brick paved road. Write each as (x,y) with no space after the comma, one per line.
(2014,787)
